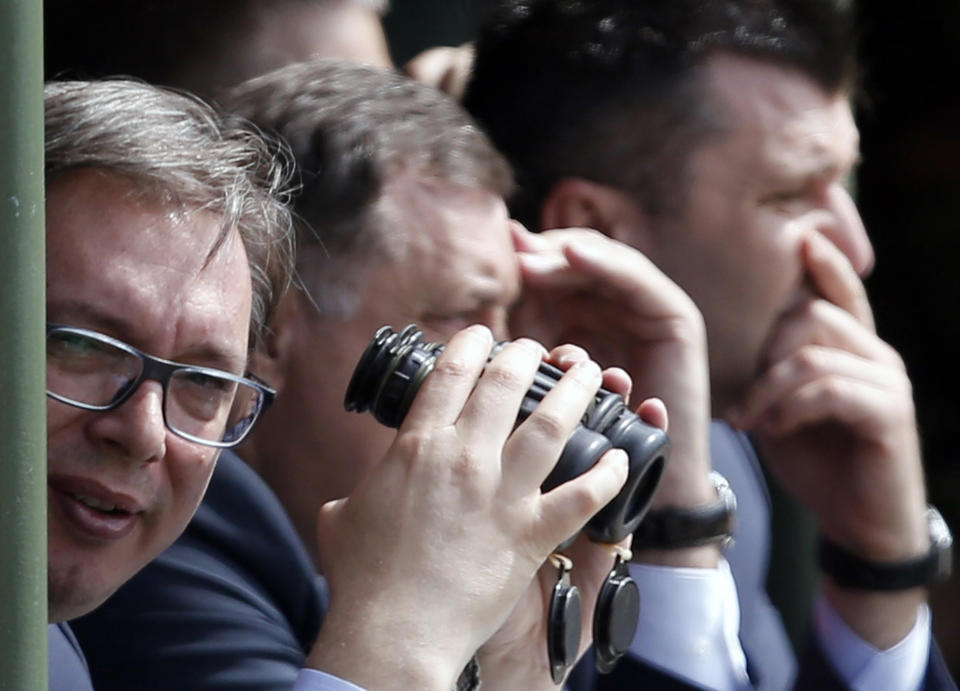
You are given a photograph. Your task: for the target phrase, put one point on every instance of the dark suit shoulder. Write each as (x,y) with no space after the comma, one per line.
(233,604)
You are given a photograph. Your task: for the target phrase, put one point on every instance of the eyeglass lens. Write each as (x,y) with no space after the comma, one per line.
(96,373)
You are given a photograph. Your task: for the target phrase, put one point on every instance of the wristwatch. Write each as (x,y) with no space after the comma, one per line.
(852,571)
(674,527)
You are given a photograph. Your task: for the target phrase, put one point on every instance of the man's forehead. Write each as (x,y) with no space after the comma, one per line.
(784,115)
(139,270)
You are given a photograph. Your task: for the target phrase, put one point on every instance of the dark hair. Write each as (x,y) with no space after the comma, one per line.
(178,150)
(613,90)
(200,45)
(353,127)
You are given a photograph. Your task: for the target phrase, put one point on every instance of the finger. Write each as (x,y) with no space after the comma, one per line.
(602,322)
(836,280)
(545,259)
(490,414)
(524,240)
(567,355)
(565,509)
(624,269)
(819,322)
(445,390)
(654,412)
(534,448)
(849,402)
(768,399)
(614,379)
(617,380)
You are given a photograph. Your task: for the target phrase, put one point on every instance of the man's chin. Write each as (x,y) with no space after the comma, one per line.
(71,595)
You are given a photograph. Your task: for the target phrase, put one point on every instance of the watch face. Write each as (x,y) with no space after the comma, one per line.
(939,530)
(941,546)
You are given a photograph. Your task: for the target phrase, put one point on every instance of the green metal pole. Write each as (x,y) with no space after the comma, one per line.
(23,434)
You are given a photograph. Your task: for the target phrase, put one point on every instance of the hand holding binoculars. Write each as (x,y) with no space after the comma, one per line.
(394,365)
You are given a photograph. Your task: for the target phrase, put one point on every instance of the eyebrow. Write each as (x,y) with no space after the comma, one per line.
(206,354)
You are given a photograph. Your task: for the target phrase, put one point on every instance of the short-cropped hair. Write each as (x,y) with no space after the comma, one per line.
(616,90)
(352,128)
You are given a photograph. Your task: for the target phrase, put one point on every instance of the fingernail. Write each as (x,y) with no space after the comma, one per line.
(541,262)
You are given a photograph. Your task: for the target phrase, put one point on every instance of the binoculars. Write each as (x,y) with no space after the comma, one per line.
(394,365)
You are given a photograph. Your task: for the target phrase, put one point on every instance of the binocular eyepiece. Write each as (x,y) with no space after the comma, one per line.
(394,365)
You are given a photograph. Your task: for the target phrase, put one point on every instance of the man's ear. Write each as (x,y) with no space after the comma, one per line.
(581,203)
(270,359)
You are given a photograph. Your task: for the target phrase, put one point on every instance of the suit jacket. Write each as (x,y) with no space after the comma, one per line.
(67,666)
(815,674)
(233,604)
(771,661)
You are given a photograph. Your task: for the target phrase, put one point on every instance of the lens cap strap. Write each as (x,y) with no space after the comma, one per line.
(617,613)
(564,622)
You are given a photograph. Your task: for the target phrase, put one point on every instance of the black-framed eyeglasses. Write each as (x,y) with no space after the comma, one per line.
(93,371)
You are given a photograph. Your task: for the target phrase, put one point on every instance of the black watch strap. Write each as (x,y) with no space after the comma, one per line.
(851,571)
(673,527)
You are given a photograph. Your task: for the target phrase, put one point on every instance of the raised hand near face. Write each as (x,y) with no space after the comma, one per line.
(516,656)
(429,555)
(834,418)
(581,286)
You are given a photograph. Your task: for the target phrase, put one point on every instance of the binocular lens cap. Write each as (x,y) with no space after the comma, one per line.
(615,620)
(563,629)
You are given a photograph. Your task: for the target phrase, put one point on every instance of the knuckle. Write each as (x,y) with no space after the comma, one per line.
(451,367)
(467,467)
(411,445)
(894,358)
(587,499)
(504,377)
(832,388)
(808,361)
(549,425)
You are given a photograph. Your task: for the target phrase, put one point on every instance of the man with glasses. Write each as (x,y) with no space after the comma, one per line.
(400,219)
(90,370)
(167,249)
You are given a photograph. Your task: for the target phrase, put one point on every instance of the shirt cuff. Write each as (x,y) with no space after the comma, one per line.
(689,624)
(315,680)
(861,665)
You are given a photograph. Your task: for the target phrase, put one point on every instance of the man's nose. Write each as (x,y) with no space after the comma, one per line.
(843,226)
(136,428)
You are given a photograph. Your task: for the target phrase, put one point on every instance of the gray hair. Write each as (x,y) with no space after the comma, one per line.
(351,128)
(177,149)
